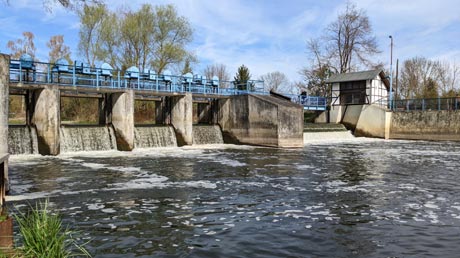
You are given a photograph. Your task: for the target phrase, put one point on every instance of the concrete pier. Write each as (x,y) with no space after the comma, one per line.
(182,118)
(47,119)
(4,100)
(261,120)
(123,119)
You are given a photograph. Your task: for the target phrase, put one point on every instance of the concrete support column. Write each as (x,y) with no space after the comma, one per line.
(123,119)
(182,118)
(4,101)
(47,119)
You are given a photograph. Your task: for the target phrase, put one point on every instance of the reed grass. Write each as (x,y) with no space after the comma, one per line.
(43,235)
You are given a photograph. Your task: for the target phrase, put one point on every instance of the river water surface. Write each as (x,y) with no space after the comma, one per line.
(360,198)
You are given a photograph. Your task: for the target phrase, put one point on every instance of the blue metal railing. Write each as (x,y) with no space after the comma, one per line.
(309,102)
(79,75)
(432,104)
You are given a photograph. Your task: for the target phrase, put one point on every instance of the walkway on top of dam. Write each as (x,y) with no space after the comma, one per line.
(32,75)
(79,77)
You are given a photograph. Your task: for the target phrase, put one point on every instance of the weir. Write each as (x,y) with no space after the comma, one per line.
(207,134)
(22,139)
(265,120)
(154,136)
(87,138)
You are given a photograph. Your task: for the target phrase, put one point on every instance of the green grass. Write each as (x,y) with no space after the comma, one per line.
(43,235)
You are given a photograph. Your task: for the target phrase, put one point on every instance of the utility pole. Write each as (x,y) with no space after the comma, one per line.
(397,80)
(391,73)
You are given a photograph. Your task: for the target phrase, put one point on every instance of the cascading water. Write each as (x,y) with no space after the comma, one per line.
(87,138)
(154,136)
(207,134)
(22,139)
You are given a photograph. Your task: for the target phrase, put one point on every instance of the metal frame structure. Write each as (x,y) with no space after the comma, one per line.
(433,104)
(81,75)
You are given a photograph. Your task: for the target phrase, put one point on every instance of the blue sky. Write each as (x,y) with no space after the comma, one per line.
(265,35)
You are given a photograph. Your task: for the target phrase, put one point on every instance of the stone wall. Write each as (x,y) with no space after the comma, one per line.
(425,125)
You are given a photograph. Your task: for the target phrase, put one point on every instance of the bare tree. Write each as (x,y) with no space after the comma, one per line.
(219,70)
(22,46)
(350,39)
(448,78)
(316,74)
(417,74)
(58,49)
(275,81)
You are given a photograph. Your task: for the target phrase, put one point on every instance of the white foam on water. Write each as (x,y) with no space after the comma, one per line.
(198,184)
(95,206)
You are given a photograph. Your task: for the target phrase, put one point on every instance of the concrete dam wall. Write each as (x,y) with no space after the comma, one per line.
(244,119)
(261,120)
(425,125)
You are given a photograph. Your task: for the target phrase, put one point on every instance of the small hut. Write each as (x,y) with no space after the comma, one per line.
(359,88)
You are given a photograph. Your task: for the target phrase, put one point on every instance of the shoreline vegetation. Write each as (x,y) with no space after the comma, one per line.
(42,234)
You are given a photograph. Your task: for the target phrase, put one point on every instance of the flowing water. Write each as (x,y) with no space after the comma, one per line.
(22,139)
(87,138)
(355,198)
(154,136)
(207,134)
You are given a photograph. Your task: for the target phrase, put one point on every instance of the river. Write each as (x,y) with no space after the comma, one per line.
(357,198)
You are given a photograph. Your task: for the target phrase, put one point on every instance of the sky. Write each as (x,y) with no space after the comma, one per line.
(264,35)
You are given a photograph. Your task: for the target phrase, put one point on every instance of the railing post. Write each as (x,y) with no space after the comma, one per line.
(20,72)
(156,82)
(423,104)
(439,104)
(139,80)
(97,78)
(74,80)
(48,75)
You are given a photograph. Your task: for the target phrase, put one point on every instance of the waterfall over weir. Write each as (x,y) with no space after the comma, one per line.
(154,136)
(207,134)
(22,139)
(87,138)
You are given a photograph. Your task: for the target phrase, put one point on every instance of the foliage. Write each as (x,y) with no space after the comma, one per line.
(171,36)
(58,49)
(92,32)
(424,78)
(275,81)
(242,77)
(144,112)
(43,235)
(16,110)
(79,110)
(22,46)
(152,37)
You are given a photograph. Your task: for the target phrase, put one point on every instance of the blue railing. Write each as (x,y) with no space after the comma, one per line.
(81,75)
(432,104)
(310,102)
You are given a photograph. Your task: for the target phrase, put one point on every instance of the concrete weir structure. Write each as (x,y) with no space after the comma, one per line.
(261,120)
(245,119)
